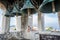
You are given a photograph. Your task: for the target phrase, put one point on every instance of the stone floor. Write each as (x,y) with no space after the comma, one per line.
(2,37)
(14,36)
(17,39)
(12,39)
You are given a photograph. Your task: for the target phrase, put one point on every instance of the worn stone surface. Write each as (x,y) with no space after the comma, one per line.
(11,36)
(2,37)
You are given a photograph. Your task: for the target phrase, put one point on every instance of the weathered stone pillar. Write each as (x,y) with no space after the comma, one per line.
(5,24)
(40,27)
(42,21)
(24,20)
(59,18)
(18,23)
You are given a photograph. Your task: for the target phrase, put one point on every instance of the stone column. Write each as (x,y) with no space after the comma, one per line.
(59,18)
(42,21)
(40,27)
(30,23)
(24,20)
(5,24)
(18,23)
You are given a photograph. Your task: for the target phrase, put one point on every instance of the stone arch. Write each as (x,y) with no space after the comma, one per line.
(3,7)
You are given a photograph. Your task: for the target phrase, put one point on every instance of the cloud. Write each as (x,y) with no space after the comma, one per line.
(51,20)
(51,15)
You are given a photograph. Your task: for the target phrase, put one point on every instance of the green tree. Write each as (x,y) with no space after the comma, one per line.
(49,28)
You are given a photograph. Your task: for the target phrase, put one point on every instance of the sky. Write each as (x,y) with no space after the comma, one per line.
(49,20)
(12,21)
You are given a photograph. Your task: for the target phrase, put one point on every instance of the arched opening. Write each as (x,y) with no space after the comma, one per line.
(51,22)
(2,12)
